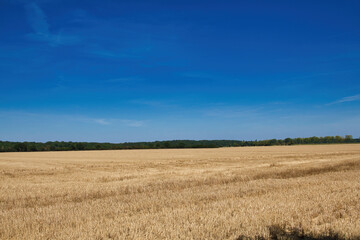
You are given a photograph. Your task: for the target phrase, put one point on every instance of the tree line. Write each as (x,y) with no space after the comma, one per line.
(6,146)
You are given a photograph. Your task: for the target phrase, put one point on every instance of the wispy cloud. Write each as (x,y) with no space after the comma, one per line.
(38,22)
(154,103)
(133,123)
(112,121)
(37,19)
(110,54)
(207,76)
(124,80)
(234,112)
(346,99)
(27,1)
(73,118)
(101,121)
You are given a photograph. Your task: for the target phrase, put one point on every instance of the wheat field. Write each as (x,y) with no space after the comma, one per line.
(225,193)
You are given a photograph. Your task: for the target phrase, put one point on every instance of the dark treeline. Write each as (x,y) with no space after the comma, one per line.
(6,146)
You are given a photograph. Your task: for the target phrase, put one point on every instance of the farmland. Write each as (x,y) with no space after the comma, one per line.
(223,193)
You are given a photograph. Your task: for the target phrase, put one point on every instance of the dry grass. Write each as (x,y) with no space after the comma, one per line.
(289,192)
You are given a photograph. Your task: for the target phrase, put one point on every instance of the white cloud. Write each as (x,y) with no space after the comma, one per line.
(102,121)
(208,76)
(133,123)
(110,54)
(347,99)
(234,112)
(123,79)
(73,118)
(39,24)
(116,121)
(154,103)
(37,19)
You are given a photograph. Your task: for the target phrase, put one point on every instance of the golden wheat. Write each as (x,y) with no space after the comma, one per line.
(226,193)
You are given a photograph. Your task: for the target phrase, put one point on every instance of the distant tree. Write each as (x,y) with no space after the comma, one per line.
(31,148)
(181,145)
(6,146)
(79,146)
(339,139)
(20,147)
(288,141)
(348,137)
(314,140)
(273,142)
(167,144)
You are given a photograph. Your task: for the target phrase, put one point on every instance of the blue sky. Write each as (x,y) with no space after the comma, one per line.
(115,71)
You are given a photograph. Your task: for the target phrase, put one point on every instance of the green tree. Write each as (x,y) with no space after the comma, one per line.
(20,147)
(348,137)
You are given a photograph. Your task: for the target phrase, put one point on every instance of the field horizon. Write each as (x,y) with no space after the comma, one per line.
(6,146)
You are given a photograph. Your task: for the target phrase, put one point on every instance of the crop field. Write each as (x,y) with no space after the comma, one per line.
(278,192)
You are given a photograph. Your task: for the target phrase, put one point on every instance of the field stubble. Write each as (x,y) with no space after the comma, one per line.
(227,193)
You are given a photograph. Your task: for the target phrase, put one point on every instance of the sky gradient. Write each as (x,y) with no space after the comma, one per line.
(116,71)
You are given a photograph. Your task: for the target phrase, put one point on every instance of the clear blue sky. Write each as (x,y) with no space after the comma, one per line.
(120,71)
